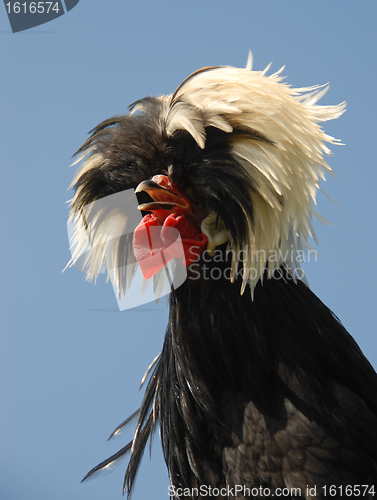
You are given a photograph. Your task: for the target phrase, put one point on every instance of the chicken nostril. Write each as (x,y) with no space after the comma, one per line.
(161,180)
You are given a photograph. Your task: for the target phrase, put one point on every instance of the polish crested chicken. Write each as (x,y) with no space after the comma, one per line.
(258,387)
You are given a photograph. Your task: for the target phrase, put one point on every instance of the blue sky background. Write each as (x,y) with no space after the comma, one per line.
(70,362)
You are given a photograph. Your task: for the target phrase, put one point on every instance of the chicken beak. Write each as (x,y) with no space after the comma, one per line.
(163,198)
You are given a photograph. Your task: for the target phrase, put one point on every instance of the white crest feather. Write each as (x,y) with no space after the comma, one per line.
(249,62)
(285,172)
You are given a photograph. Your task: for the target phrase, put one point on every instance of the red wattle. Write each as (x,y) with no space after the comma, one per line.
(155,244)
(193,242)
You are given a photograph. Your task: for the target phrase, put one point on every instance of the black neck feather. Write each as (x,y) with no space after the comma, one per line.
(223,350)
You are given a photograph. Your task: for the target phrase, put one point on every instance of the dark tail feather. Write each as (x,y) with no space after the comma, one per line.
(121,427)
(147,417)
(137,454)
(108,464)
